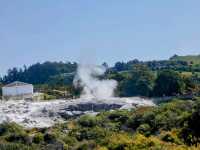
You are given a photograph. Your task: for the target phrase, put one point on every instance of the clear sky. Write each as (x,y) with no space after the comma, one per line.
(102,30)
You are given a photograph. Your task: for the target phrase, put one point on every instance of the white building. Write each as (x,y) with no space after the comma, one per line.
(17,90)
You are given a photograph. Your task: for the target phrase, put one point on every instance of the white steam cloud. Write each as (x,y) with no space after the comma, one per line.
(93,87)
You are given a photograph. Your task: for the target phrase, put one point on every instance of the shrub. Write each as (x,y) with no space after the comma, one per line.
(10,128)
(49,137)
(38,138)
(87,145)
(21,138)
(69,140)
(135,121)
(87,121)
(16,146)
(119,116)
(96,133)
(144,129)
(119,141)
(171,136)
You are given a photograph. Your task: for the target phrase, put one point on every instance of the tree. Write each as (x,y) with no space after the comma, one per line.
(191,132)
(120,66)
(169,83)
(140,82)
(39,73)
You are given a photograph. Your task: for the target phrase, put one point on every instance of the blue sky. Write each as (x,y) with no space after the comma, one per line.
(98,30)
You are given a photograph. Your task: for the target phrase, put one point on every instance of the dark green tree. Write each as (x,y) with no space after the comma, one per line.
(139,83)
(40,73)
(169,83)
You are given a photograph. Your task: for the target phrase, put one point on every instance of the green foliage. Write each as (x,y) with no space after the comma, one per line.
(54,91)
(173,64)
(140,80)
(135,78)
(20,138)
(191,59)
(87,121)
(87,145)
(139,83)
(38,138)
(16,146)
(173,126)
(48,97)
(49,137)
(191,131)
(119,116)
(10,128)
(169,83)
(95,133)
(144,129)
(39,73)
(69,140)
(171,136)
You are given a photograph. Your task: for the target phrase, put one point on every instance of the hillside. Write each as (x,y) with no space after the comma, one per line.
(169,126)
(135,77)
(172,124)
(195,59)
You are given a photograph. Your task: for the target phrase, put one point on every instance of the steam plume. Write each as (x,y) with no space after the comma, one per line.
(87,78)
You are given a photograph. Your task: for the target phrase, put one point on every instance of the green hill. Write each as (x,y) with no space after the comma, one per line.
(194,59)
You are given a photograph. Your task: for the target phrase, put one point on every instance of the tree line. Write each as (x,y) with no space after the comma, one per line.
(141,81)
(39,73)
(135,78)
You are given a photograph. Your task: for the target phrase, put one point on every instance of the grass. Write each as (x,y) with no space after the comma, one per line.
(195,59)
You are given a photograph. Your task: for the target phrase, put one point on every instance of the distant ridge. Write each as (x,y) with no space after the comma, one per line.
(192,59)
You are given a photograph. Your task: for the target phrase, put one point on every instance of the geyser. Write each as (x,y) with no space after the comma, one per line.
(97,96)
(87,77)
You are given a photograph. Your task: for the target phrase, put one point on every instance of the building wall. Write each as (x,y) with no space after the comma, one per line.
(17,90)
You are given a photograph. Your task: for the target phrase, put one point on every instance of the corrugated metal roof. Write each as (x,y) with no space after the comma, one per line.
(16,83)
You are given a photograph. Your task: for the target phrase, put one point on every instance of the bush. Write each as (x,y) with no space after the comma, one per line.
(10,128)
(135,121)
(87,121)
(87,145)
(16,146)
(50,138)
(38,138)
(118,116)
(118,141)
(21,138)
(144,129)
(171,136)
(96,133)
(69,140)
